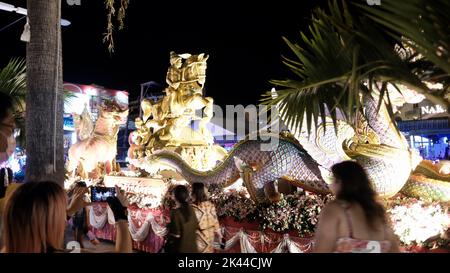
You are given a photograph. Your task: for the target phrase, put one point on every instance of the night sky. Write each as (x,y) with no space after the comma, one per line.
(243,39)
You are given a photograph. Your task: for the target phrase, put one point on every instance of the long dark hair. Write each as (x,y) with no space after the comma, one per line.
(199,193)
(356,187)
(181,194)
(6,104)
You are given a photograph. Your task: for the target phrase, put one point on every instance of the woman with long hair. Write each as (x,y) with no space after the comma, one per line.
(35,218)
(7,141)
(7,125)
(206,216)
(183,224)
(80,222)
(355,221)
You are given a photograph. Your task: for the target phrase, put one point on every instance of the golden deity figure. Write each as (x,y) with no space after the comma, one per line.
(167,124)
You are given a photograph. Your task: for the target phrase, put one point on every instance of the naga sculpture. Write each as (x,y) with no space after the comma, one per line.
(376,144)
(164,139)
(287,160)
(430,181)
(100,146)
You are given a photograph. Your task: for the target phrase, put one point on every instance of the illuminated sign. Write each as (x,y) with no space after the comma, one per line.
(434,109)
(68,124)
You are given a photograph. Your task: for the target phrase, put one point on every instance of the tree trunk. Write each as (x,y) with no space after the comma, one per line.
(44,100)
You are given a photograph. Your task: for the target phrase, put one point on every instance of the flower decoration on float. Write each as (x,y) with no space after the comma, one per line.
(416,222)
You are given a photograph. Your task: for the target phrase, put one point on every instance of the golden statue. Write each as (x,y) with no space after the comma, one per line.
(166,124)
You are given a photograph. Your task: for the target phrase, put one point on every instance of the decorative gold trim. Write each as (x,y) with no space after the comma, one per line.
(247,178)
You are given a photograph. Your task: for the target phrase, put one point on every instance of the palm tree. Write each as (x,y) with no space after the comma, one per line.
(346,55)
(44,99)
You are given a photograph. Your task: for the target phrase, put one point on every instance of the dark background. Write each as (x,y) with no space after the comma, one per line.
(243,39)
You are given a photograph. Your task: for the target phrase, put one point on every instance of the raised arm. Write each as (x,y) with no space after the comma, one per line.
(119,206)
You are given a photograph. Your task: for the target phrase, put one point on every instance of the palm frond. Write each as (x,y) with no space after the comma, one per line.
(424,23)
(333,62)
(13,83)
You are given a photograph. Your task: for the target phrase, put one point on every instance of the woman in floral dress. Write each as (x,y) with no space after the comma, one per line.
(206,216)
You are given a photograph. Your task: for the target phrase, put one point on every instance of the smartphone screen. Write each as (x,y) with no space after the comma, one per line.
(99,194)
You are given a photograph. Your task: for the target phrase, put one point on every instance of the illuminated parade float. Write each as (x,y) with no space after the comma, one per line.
(165,150)
(348,150)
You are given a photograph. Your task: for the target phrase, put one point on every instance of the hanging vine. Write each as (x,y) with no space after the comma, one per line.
(111,12)
(122,12)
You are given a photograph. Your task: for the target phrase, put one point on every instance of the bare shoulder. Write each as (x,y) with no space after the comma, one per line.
(331,210)
(332,207)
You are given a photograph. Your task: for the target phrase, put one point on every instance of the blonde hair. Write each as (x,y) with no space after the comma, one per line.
(9,191)
(34,218)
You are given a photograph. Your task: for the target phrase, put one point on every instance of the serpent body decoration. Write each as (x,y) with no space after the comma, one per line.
(304,160)
(286,160)
(429,181)
(377,145)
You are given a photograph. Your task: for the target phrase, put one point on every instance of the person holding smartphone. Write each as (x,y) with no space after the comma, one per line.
(80,222)
(35,218)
